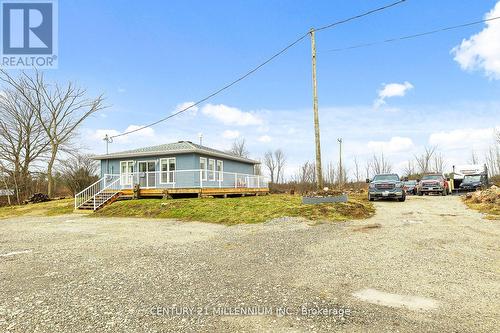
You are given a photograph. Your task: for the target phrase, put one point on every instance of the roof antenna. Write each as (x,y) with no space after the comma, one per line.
(200,136)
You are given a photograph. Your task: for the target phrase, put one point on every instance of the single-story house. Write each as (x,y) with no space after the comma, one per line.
(174,168)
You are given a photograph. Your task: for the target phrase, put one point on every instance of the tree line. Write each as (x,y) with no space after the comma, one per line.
(430,160)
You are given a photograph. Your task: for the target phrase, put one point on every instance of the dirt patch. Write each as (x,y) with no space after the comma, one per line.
(415,303)
(367,227)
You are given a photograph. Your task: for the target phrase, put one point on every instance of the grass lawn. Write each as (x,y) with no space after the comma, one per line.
(240,209)
(50,208)
(492,210)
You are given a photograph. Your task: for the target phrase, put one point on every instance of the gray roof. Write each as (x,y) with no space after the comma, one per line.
(181,147)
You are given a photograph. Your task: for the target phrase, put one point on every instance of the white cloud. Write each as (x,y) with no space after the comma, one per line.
(468,138)
(396,144)
(146,133)
(230,115)
(191,111)
(230,134)
(482,50)
(392,90)
(264,138)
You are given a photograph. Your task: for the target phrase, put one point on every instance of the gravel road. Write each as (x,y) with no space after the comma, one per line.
(426,265)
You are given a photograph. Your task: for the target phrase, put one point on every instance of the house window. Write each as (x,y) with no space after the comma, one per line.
(220,170)
(203,167)
(167,168)
(211,169)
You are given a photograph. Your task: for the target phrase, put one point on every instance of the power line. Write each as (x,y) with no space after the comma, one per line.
(250,72)
(396,39)
(360,15)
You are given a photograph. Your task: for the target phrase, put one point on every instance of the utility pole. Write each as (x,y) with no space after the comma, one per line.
(319,173)
(108,141)
(341,176)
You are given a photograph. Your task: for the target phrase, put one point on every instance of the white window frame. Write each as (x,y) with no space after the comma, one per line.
(204,170)
(147,172)
(220,173)
(127,173)
(169,181)
(212,178)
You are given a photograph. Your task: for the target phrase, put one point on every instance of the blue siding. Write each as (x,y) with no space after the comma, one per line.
(235,170)
(183,162)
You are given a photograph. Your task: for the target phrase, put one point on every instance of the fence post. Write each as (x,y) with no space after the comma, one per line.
(201,178)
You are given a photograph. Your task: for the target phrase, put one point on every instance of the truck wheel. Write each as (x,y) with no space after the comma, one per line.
(370,198)
(402,199)
(420,193)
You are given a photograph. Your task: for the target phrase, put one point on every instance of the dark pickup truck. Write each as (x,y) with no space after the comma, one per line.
(385,186)
(474,182)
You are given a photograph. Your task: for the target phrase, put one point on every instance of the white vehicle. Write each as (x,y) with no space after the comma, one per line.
(460,171)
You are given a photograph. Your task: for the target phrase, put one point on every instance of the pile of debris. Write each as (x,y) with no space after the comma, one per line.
(37,197)
(490,196)
(326,192)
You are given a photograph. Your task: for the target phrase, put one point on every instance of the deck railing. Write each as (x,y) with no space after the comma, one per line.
(190,179)
(105,188)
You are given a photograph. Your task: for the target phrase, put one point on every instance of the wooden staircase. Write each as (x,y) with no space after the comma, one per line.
(103,192)
(101,200)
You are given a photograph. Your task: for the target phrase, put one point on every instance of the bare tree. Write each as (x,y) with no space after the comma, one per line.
(341,174)
(78,172)
(271,165)
(22,139)
(331,175)
(497,136)
(473,158)
(368,168)
(409,168)
(380,165)
(307,173)
(239,148)
(4,175)
(58,109)
(424,160)
(280,159)
(439,163)
(357,171)
(492,160)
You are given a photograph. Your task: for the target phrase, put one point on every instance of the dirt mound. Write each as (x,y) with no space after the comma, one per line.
(491,196)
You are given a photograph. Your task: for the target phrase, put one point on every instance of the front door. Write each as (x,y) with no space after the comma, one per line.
(126,173)
(147,174)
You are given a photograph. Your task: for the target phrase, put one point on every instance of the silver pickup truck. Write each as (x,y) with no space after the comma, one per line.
(385,186)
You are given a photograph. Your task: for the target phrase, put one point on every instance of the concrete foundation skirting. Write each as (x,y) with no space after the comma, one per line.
(320,200)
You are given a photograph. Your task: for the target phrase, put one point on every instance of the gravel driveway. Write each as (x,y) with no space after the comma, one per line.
(426,265)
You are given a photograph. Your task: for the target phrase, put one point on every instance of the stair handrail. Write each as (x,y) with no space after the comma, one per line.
(92,190)
(110,196)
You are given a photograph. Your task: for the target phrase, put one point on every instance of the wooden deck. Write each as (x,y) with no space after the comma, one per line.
(200,192)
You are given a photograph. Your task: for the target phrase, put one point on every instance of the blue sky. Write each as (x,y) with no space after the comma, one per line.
(150,57)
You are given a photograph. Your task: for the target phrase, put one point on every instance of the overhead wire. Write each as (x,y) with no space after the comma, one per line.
(255,69)
(417,35)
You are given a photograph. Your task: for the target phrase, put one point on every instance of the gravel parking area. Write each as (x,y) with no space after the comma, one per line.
(426,265)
